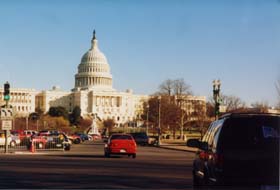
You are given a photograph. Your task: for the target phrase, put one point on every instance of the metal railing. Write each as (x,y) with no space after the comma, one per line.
(35,143)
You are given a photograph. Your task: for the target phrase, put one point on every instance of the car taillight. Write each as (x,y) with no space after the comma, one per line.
(203,155)
(131,144)
(113,144)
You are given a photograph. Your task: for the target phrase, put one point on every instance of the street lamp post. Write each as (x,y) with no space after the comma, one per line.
(147,124)
(180,103)
(26,124)
(216,96)
(182,120)
(159,129)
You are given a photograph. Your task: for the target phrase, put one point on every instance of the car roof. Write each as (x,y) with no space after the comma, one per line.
(248,114)
(121,134)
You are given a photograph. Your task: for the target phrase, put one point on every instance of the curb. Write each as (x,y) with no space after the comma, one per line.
(177,149)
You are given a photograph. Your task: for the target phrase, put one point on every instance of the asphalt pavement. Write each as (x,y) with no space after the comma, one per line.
(179,145)
(85,167)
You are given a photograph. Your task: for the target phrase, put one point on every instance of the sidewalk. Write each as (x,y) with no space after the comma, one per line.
(179,145)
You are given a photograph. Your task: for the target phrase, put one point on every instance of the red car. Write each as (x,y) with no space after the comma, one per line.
(121,144)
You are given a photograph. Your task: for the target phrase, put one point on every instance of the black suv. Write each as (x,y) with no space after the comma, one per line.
(140,138)
(239,150)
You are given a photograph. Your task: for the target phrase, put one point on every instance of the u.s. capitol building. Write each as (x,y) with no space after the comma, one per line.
(93,93)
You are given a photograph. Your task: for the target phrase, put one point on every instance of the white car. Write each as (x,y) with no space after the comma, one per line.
(12,140)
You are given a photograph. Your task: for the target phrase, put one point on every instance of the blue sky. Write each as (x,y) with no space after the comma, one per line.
(145,42)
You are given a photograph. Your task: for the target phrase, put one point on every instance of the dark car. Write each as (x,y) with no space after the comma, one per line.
(141,138)
(239,150)
(83,136)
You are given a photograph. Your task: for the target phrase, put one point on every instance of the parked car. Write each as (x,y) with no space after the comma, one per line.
(67,142)
(121,144)
(12,140)
(51,140)
(238,150)
(75,139)
(23,135)
(38,141)
(95,137)
(83,136)
(141,138)
(58,141)
(153,140)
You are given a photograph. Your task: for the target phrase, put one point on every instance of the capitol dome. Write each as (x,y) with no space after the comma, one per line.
(94,70)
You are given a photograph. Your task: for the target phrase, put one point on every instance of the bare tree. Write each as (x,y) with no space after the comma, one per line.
(260,106)
(183,115)
(180,87)
(232,102)
(166,87)
(108,125)
(201,120)
(174,87)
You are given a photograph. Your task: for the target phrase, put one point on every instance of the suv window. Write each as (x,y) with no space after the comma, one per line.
(211,136)
(247,133)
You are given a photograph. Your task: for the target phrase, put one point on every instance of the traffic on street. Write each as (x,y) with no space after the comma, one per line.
(86,167)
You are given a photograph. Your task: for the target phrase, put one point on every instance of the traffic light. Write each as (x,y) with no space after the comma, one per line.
(6,91)
(217,108)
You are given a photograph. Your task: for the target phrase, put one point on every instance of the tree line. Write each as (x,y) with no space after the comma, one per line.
(174,117)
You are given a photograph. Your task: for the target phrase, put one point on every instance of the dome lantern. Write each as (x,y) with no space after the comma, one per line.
(94,44)
(94,70)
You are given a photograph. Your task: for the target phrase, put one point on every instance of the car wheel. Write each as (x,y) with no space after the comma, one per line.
(133,155)
(195,180)
(67,148)
(77,141)
(12,143)
(107,155)
(200,182)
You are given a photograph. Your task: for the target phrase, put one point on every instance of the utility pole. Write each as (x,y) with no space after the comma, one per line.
(159,128)
(147,124)
(6,114)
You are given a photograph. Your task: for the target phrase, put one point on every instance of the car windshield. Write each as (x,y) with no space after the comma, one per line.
(251,133)
(121,137)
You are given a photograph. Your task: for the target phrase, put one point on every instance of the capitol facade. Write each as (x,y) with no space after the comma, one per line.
(93,92)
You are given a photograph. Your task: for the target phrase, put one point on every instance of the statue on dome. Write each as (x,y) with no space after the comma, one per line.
(94,34)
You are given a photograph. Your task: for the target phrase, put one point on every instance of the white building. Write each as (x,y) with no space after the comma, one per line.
(94,92)
(21,99)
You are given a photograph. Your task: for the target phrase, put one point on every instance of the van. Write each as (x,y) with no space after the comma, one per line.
(238,149)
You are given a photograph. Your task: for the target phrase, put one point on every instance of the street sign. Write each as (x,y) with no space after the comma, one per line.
(6,124)
(6,113)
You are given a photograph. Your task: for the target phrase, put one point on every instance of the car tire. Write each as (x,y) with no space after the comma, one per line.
(12,143)
(107,155)
(195,180)
(67,148)
(133,155)
(77,141)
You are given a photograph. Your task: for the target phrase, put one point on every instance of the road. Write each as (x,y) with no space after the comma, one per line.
(85,167)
